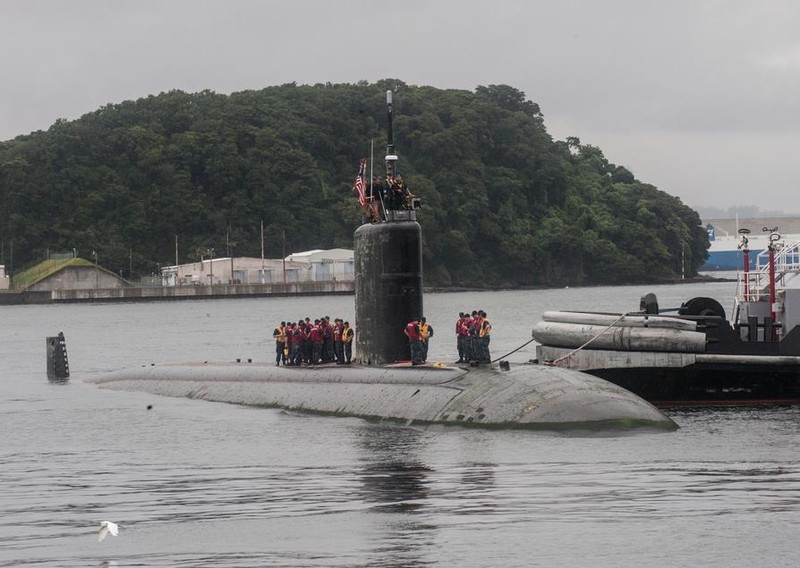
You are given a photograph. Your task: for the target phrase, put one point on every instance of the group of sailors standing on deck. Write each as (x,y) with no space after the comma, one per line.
(323,341)
(307,343)
(393,192)
(418,333)
(473,334)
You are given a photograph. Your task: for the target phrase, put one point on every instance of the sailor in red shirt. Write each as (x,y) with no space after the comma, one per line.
(414,341)
(462,337)
(316,340)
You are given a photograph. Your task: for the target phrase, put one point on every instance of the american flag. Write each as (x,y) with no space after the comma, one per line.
(359,186)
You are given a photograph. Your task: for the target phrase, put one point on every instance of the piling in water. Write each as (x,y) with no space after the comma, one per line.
(57,363)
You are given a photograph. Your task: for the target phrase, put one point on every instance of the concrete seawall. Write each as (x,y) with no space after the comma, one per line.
(166,293)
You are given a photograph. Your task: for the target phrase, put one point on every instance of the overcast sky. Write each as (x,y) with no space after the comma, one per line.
(698,97)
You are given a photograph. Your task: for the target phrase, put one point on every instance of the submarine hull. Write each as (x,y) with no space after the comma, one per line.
(525,396)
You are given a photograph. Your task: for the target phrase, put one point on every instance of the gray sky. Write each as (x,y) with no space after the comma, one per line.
(697,97)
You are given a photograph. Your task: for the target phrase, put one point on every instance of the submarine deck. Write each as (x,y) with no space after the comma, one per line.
(524,396)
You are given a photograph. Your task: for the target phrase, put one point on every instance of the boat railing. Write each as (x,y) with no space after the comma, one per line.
(754,285)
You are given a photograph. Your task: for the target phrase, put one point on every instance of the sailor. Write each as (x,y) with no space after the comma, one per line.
(474,325)
(296,339)
(375,189)
(338,344)
(484,337)
(347,342)
(462,337)
(308,345)
(414,343)
(386,191)
(403,196)
(287,344)
(425,333)
(398,192)
(326,329)
(279,334)
(315,336)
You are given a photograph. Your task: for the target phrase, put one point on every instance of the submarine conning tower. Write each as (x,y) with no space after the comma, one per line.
(388,267)
(388,274)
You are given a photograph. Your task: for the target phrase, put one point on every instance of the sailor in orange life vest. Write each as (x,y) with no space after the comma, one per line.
(425,333)
(338,344)
(484,336)
(279,334)
(347,342)
(414,341)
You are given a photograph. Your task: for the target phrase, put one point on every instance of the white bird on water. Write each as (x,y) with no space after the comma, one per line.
(105,528)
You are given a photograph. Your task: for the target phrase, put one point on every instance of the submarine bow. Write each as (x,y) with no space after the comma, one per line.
(525,396)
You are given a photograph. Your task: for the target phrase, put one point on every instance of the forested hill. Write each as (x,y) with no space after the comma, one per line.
(504,203)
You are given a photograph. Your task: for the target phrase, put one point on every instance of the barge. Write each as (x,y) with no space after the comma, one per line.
(695,357)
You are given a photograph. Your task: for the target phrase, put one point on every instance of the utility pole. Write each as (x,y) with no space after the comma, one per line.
(262,251)
(283,254)
(211,266)
(683,260)
(230,251)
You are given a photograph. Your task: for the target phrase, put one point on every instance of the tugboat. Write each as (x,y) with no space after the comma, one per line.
(696,357)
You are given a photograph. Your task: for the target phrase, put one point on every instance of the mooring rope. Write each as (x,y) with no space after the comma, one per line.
(512,352)
(571,353)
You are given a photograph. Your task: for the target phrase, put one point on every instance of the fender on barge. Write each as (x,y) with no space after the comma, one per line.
(697,357)
(523,397)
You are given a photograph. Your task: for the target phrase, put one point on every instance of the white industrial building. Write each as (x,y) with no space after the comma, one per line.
(333,265)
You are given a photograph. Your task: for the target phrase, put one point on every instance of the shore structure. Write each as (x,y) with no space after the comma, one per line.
(383,384)
(66,278)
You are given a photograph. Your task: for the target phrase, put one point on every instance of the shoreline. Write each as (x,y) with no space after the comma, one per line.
(228,291)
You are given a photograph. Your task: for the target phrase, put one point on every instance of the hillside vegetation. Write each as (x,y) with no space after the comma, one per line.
(503,203)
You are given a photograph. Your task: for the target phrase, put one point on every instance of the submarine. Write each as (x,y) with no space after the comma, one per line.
(383,384)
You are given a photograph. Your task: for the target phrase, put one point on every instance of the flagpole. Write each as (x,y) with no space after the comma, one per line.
(371,164)
(283,251)
(262,251)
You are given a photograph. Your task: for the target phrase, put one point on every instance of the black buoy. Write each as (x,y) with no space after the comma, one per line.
(57,363)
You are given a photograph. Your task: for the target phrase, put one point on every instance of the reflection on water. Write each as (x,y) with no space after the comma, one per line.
(395,482)
(395,487)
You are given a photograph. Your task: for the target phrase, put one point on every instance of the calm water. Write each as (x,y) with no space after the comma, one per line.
(193,483)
